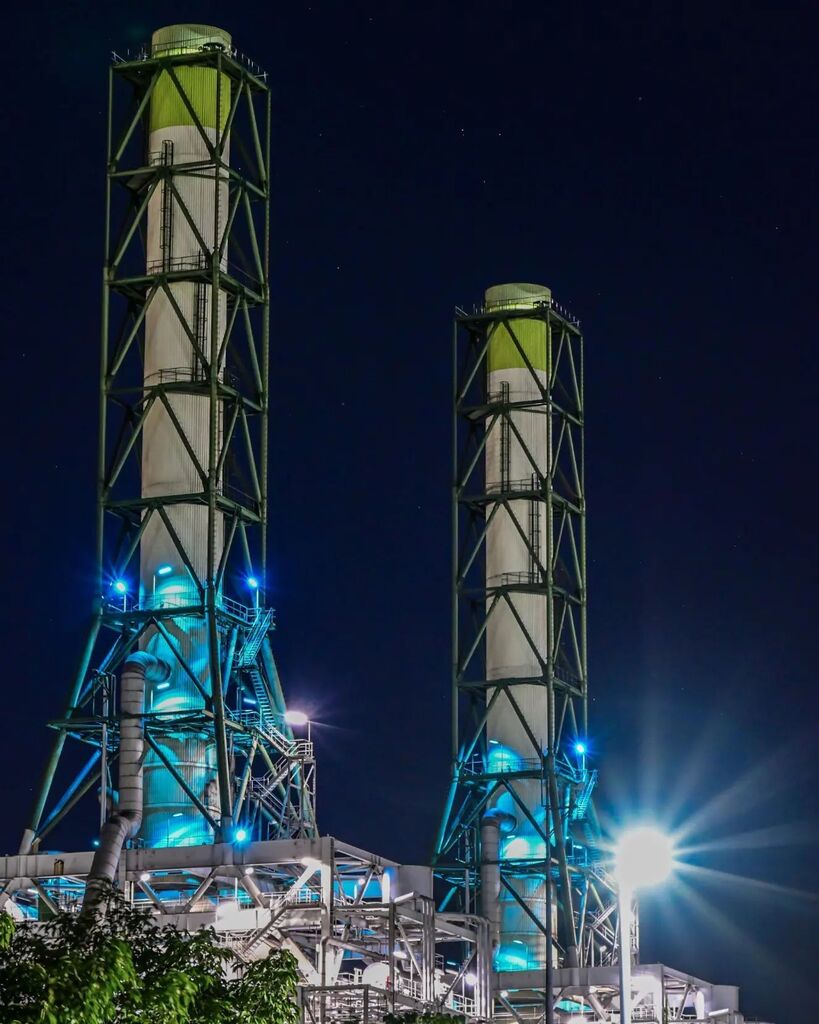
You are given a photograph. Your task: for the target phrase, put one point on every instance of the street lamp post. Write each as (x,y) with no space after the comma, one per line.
(625,918)
(644,857)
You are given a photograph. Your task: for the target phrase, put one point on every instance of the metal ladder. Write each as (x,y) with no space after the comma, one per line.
(505,437)
(166,218)
(534,536)
(255,637)
(262,699)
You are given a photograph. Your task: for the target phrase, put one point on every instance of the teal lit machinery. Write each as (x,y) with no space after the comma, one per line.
(182,481)
(519,837)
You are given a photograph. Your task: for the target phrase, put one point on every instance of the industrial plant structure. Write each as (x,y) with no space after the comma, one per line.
(203,780)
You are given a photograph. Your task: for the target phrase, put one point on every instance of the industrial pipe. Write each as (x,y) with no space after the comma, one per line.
(127,819)
(492,824)
(490,876)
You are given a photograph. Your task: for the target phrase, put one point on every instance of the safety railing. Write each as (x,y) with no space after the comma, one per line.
(500,763)
(529,396)
(510,579)
(195,261)
(182,46)
(525,485)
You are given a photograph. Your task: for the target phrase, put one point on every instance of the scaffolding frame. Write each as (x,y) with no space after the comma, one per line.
(336,908)
(577,883)
(266,776)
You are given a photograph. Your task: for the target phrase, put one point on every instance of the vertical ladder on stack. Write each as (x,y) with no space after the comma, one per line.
(534,535)
(505,438)
(166,218)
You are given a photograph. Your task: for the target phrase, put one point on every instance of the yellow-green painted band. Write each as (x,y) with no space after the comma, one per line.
(168,108)
(504,353)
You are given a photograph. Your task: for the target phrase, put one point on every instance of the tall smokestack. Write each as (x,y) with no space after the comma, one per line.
(517,452)
(186,218)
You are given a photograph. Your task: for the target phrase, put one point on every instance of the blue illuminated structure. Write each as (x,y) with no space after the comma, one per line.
(182,471)
(519,817)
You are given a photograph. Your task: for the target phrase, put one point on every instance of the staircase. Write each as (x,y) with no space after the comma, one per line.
(255,637)
(267,716)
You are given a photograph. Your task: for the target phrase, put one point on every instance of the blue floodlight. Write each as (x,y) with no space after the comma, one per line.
(240,835)
(164,570)
(163,686)
(252,582)
(95,843)
(580,748)
(121,586)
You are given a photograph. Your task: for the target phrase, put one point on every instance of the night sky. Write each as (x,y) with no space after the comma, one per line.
(653,164)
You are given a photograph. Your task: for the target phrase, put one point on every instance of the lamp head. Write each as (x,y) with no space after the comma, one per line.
(644,857)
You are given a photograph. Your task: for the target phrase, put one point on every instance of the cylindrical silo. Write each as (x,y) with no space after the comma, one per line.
(186,216)
(516,455)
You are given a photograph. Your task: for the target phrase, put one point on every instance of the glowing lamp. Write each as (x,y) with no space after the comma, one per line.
(295,718)
(580,748)
(252,582)
(644,857)
(470,979)
(240,835)
(121,586)
(164,570)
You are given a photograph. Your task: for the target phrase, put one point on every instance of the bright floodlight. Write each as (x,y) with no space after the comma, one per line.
(120,586)
(240,835)
(580,748)
(644,857)
(252,582)
(164,570)
(470,979)
(295,718)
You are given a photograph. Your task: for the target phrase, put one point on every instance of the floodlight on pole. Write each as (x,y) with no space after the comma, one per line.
(644,857)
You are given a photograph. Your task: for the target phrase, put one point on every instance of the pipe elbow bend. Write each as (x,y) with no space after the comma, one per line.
(154,669)
(502,820)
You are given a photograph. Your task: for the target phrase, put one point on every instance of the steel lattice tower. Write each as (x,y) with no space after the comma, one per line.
(182,461)
(519,836)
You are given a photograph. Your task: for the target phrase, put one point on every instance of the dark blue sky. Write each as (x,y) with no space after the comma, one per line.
(653,164)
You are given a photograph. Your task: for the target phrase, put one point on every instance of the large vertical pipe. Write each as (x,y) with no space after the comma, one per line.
(125,822)
(186,216)
(517,458)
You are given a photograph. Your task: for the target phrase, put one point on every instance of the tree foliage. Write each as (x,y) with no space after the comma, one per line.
(123,968)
